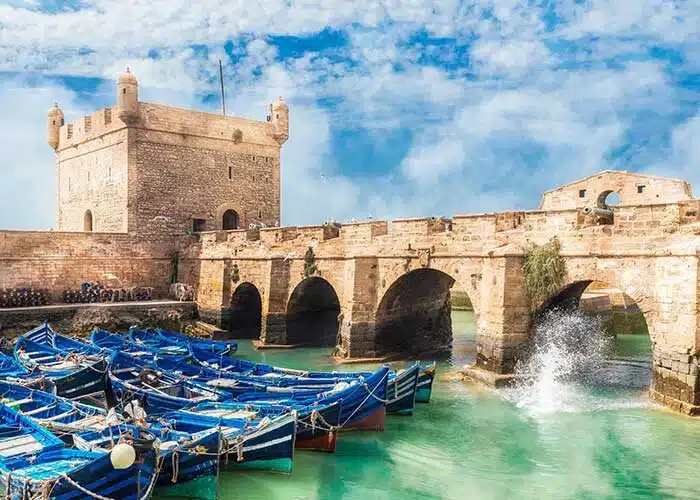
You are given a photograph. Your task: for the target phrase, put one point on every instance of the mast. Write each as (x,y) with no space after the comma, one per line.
(223,97)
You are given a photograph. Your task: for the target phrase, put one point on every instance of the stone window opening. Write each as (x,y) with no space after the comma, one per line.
(123,91)
(581,193)
(231,220)
(230,173)
(198,225)
(87,222)
(640,188)
(608,199)
(259,213)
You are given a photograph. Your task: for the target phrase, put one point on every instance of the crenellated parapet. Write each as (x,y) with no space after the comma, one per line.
(117,168)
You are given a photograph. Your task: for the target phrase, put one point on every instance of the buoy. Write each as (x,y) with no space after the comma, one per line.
(122,456)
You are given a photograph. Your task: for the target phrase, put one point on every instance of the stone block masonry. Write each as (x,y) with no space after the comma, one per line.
(142,167)
(158,173)
(62,261)
(647,251)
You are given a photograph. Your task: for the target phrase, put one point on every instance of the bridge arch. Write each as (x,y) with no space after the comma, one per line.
(413,316)
(245,312)
(313,314)
(623,339)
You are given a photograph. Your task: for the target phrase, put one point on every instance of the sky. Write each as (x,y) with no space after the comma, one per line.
(398,108)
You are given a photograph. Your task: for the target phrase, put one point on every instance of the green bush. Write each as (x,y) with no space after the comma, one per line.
(544,271)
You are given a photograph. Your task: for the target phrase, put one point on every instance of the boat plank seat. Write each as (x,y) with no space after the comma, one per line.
(25,443)
(39,410)
(62,415)
(18,402)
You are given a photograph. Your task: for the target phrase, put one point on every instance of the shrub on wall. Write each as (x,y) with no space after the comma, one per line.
(544,271)
(310,263)
(235,273)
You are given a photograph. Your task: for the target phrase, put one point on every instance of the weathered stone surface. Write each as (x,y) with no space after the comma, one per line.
(143,167)
(152,169)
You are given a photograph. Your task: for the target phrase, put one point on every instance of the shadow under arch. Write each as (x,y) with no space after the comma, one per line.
(245,320)
(312,314)
(414,315)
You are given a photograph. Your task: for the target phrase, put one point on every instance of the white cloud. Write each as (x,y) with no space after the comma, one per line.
(474,129)
(27,165)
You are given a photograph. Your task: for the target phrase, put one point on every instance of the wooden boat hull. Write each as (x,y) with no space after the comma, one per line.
(98,476)
(200,457)
(358,400)
(313,431)
(401,391)
(425,384)
(83,382)
(262,447)
(34,463)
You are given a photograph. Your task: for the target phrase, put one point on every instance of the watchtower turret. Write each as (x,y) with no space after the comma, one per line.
(279,116)
(54,123)
(128,97)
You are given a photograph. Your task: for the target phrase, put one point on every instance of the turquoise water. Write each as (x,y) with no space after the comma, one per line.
(471,442)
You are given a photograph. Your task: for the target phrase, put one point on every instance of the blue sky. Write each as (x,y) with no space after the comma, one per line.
(399,108)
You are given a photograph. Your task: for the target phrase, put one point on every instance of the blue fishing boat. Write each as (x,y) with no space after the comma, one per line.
(107,340)
(9,367)
(74,374)
(316,424)
(59,415)
(45,335)
(425,383)
(249,442)
(235,385)
(180,456)
(34,463)
(401,390)
(157,392)
(164,338)
(363,400)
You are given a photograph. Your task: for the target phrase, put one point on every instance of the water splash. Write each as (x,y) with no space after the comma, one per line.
(568,369)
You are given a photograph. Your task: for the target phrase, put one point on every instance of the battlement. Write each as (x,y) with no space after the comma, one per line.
(90,127)
(161,118)
(167,119)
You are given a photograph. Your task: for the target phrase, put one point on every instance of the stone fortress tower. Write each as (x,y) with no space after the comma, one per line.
(142,167)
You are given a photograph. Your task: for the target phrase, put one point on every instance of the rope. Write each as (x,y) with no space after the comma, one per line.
(176,466)
(80,488)
(239,449)
(371,394)
(384,401)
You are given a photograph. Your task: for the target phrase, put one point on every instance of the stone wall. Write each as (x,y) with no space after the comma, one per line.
(80,319)
(92,175)
(164,169)
(61,261)
(181,182)
(632,189)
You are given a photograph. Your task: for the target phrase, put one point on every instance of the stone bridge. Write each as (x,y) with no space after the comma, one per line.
(377,287)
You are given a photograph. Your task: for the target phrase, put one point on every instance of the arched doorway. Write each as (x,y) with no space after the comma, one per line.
(595,334)
(312,314)
(87,221)
(414,316)
(230,220)
(246,312)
